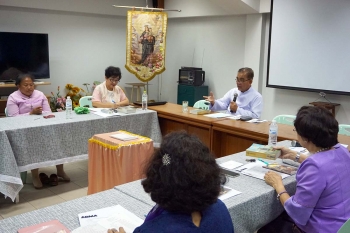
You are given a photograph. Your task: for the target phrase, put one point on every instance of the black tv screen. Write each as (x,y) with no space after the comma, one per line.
(24,53)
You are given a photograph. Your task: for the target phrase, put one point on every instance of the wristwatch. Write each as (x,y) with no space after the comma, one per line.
(297,157)
(279,195)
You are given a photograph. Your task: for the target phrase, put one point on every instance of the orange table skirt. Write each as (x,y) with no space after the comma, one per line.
(113,162)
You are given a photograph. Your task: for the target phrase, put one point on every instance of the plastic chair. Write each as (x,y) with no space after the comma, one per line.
(202,104)
(345,228)
(344,130)
(285,119)
(85,101)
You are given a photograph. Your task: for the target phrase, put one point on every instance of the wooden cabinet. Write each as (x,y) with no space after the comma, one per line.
(190,93)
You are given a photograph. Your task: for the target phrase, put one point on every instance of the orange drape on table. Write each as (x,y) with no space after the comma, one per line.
(113,162)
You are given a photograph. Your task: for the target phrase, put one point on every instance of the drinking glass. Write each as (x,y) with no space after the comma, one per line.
(185,106)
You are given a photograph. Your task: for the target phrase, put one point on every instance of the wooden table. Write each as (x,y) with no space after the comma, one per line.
(171,118)
(222,136)
(231,136)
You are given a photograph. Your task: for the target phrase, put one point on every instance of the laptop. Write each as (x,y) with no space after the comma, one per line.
(151,103)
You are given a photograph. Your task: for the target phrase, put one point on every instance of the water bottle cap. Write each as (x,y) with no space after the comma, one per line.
(144,91)
(68,97)
(273,121)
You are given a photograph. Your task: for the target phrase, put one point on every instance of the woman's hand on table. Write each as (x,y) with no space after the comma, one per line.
(121,230)
(274,179)
(37,111)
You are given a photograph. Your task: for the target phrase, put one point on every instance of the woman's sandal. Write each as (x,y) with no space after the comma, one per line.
(53,180)
(44,178)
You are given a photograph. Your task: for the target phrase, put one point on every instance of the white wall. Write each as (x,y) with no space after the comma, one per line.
(220,39)
(81,45)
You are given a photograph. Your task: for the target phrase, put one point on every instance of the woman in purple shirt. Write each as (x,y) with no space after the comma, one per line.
(321,202)
(28,101)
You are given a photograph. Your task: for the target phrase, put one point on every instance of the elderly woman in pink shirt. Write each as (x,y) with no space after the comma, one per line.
(108,94)
(28,101)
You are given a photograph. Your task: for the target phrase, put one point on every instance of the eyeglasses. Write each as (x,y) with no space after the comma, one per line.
(114,80)
(241,80)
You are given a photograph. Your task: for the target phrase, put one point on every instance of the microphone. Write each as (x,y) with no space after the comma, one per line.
(234,99)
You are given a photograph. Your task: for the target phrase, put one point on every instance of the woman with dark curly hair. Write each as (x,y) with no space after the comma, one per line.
(184,180)
(321,202)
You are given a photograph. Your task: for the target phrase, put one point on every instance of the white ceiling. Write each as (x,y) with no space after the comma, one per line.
(189,8)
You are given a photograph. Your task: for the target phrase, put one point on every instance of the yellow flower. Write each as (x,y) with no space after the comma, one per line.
(69,86)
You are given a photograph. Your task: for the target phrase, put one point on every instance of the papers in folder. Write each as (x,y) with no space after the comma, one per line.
(123,136)
(107,218)
(103,112)
(256,170)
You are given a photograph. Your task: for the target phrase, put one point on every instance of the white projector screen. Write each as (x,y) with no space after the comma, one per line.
(309,47)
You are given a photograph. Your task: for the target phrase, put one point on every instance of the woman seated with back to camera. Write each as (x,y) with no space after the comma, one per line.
(28,101)
(108,94)
(184,181)
(322,199)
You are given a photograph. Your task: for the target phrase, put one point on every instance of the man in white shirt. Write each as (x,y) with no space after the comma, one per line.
(242,100)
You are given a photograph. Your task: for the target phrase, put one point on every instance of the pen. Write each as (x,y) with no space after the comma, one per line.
(263,161)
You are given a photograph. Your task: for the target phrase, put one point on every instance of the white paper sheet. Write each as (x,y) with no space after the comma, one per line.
(103,112)
(103,219)
(228,192)
(124,136)
(256,170)
(217,115)
(230,164)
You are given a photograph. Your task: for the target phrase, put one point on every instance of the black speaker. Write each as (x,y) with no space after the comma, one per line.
(155,3)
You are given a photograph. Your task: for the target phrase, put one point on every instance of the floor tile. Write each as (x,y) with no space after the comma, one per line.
(30,193)
(9,210)
(46,201)
(4,200)
(64,187)
(76,174)
(74,194)
(82,183)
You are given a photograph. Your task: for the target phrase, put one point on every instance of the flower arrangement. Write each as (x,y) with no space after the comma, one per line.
(75,94)
(57,102)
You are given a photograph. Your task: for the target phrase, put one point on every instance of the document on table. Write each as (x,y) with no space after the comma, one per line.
(124,136)
(227,192)
(230,164)
(103,219)
(218,115)
(256,170)
(104,112)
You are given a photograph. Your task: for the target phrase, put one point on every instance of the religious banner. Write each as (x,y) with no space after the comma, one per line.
(145,44)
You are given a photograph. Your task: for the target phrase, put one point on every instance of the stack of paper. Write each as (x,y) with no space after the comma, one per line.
(123,136)
(256,170)
(107,218)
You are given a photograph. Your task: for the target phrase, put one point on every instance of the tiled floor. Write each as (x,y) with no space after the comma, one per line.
(31,198)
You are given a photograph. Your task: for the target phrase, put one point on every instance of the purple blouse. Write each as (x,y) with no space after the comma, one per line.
(19,104)
(322,199)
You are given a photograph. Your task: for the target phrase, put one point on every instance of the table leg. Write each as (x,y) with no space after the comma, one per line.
(132,93)
(138,93)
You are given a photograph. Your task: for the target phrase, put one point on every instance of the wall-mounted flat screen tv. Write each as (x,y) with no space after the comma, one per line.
(24,53)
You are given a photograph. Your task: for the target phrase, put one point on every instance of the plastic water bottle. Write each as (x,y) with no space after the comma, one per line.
(273,131)
(144,100)
(68,108)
